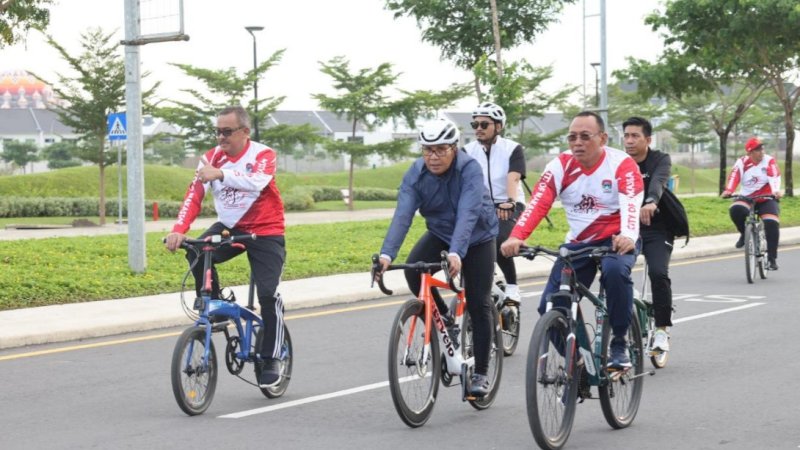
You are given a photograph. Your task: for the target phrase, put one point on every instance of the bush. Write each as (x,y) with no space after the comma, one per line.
(84,206)
(294,201)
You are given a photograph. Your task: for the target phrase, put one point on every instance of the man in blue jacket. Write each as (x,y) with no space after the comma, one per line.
(446,187)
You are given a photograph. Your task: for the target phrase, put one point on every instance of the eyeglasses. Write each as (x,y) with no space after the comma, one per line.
(227,132)
(572,137)
(482,125)
(440,152)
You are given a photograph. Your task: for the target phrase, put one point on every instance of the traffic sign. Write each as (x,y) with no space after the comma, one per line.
(117,127)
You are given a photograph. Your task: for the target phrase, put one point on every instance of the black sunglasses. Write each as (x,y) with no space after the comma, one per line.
(227,132)
(483,125)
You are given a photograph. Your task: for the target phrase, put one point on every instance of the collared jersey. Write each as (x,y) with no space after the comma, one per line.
(247,198)
(504,156)
(599,202)
(763,178)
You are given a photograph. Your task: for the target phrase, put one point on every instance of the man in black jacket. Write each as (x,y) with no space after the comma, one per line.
(657,238)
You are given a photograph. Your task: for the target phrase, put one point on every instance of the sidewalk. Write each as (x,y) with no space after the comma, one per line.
(60,323)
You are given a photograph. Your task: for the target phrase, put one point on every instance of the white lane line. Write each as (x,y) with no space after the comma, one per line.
(714,313)
(303,401)
(316,398)
(382,384)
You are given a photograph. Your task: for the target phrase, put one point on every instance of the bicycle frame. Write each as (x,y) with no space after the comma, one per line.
(453,358)
(224,310)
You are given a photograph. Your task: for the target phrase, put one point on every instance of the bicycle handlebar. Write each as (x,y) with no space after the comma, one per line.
(752,199)
(214,241)
(564,253)
(419,266)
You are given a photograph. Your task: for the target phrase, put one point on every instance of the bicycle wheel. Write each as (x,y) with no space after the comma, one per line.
(761,245)
(750,252)
(413,373)
(550,392)
(620,394)
(510,324)
(193,383)
(286,363)
(495,370)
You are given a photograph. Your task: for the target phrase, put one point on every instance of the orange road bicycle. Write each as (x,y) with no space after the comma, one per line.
(423,350)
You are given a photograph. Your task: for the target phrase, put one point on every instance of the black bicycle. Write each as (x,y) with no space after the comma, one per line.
(755,242)
(567,356)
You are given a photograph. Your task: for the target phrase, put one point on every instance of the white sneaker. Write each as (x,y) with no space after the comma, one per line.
(512,292)
(661,341)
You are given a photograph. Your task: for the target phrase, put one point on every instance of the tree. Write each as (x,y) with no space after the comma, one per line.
(675,77)
(19,16)
(689,125)
(163,150)
(463,28)
(363,101)
(20,153)
(96,91)
(60,155)
(225,87)
(745,38)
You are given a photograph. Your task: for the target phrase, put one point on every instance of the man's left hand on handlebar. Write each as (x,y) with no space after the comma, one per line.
(622,244)
(173,241)
(511,247)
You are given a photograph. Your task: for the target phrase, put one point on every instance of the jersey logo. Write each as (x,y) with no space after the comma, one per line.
(588,205)
(752,181)
(606,186)
(229,195)
(248,168)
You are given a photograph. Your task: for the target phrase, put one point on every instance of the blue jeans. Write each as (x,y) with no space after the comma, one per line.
(615,276)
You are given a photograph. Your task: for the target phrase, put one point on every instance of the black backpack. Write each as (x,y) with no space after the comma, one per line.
(674,215)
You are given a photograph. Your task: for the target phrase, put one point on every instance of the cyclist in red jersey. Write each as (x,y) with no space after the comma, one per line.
(601,191)
(240,174)
(759,175)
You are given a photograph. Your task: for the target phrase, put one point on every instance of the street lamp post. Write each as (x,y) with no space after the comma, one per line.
(596,84)
(255,79)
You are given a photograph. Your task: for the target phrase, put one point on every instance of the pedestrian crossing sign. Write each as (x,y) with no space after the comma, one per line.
(117,129)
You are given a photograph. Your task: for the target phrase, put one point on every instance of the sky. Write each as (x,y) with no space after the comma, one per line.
(318,30)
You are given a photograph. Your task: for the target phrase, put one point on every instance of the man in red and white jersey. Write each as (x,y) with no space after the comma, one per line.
(601,191)
(759,175)
(240,174)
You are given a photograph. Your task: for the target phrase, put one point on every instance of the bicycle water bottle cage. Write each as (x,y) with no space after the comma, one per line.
(198,304)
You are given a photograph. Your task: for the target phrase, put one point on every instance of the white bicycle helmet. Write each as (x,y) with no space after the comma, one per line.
(490,110)
(437,132)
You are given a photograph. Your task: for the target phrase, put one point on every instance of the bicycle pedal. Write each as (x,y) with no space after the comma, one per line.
(470,398)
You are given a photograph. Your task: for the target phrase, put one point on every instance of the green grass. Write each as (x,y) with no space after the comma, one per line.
(170,183)
(40,272)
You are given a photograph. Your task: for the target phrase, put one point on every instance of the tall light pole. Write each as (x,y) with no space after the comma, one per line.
(255,80)
(596,85)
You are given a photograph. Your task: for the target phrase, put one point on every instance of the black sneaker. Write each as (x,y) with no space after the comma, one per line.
(479,385)
(268,372)
(772,264)
(618,358)
(740,242)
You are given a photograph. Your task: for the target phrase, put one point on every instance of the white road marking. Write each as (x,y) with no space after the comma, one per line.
(316,398)
(714,313)
(382,384)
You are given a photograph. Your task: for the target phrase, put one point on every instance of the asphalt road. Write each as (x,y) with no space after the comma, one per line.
(731,383)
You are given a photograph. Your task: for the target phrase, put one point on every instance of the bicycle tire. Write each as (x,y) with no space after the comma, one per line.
(750,252)
(620,398)
(761,243)
(192,384)
(286,364)
(413,383)
(495,370)
(550,393)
